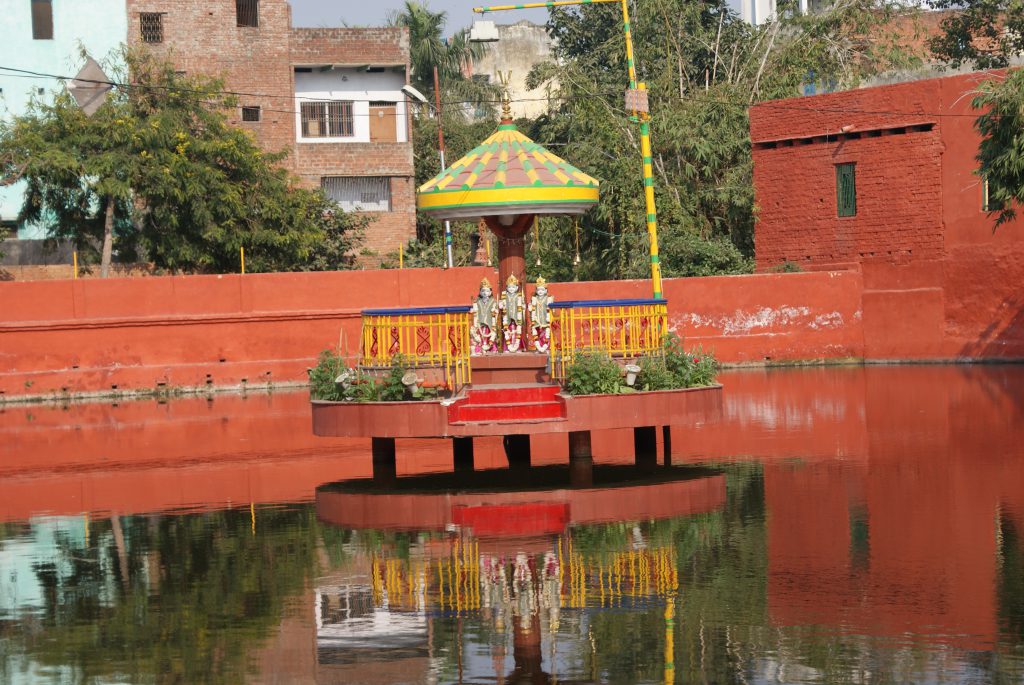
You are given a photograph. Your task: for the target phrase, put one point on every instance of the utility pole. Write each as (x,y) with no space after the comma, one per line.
(440,149)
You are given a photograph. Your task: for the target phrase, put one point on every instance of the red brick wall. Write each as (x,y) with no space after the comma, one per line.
(201,36)
(898,216)
(380,46)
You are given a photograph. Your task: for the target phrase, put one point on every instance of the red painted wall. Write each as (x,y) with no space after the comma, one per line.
(92,335)
(938,283)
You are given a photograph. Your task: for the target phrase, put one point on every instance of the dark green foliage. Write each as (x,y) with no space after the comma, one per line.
(322,376)
(593,373)
(983,34)
(787,267)
(185,189)
(688,370)
(1001,152)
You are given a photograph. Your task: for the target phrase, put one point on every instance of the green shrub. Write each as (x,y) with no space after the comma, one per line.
(321,378)
(654,375)
(593,373)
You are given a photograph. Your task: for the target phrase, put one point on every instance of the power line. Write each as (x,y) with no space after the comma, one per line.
(774,104)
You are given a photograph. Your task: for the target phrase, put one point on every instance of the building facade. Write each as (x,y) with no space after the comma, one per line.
(519,48)
(330,97)
(883,181)
(47,37)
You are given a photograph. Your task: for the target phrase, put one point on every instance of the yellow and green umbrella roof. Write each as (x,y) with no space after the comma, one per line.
(507,174)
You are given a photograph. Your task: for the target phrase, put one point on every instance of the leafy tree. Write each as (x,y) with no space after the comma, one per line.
(703,67)
(159,172)
(987,34)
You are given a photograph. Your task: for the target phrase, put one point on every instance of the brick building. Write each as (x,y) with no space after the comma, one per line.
(883,181)
(883,174)
(331,97)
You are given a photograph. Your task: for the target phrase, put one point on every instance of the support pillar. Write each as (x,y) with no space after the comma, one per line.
(581,459)
(645,445)
(462,452)
(384,467)
(517,450)
(511,247)
(666,432)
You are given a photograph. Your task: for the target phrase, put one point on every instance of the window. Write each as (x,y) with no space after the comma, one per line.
(248,12)
(42,19)
(251,113)
(151,26)
(846,189)
(359,193)
(383,122)
(327,119)
(988,203)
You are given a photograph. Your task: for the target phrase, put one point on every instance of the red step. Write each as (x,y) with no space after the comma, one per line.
(504,394)
(508,412)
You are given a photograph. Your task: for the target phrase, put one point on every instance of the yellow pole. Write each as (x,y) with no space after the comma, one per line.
(241,251)
(74,257)
(643,117)
(401,255)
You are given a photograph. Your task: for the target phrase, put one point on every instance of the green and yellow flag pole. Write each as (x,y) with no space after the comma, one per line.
(643,117)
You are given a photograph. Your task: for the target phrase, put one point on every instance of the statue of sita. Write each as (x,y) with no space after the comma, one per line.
(513,314)
(540,316)
(483,333)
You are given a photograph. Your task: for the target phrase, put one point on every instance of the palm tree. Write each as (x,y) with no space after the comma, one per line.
(453,57)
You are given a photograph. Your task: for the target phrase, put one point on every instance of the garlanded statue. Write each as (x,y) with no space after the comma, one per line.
(513,314)
(540,316)
(483,332)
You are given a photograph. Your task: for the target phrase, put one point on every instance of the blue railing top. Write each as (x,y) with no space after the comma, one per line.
(573,304)
(413,311)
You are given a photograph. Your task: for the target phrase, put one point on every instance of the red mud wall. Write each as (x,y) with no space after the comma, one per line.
(95,335)
(938,282)
(189,331)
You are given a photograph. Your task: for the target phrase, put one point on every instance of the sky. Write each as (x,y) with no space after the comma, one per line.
(374,12)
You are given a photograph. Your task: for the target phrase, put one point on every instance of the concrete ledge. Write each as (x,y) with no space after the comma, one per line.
(688,407)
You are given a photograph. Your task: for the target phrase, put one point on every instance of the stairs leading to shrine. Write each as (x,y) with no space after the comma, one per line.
(508,403)
(509,368)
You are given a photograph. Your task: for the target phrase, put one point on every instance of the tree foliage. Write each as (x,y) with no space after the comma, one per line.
(162,172)
(986,34)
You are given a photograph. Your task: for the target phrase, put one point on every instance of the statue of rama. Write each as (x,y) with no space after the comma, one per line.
(513,314)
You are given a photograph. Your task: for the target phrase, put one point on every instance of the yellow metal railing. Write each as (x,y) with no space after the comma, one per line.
(622,328)
(424,337)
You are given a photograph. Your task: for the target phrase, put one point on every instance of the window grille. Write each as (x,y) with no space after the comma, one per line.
(846,189)
(327,119)
(359,193)
(151,25)
(42,19)
(251,113)
(248,12)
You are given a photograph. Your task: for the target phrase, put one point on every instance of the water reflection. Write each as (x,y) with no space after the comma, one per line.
(869,527)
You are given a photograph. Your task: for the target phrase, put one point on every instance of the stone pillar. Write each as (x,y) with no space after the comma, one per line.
(645,445)
(581,459)
(667,435)
(462,452)
(517,450)
(511,248)
(384,466)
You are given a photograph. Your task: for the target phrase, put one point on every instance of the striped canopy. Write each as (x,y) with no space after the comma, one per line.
(507,174)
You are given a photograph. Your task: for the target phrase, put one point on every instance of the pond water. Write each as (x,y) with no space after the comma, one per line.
(860,525)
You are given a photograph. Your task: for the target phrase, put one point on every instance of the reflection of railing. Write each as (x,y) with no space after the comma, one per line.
(424,337)
(622,328)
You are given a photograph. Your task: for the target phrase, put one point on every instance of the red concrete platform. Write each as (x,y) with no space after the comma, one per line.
(521,367)
(428,419)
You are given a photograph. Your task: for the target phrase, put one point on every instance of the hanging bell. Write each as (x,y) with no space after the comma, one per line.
(576,262)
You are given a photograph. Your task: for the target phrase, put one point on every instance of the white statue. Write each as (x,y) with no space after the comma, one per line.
(513,315)
(540,316)
(483,332)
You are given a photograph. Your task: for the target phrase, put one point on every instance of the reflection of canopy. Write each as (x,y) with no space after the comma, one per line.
(508,174)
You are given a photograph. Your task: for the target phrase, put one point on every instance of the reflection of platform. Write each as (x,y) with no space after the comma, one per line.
(625,497)
(582,413)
